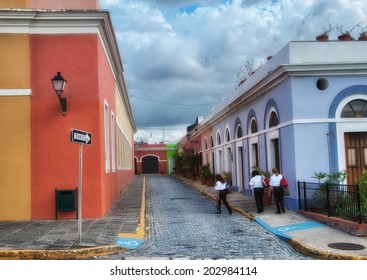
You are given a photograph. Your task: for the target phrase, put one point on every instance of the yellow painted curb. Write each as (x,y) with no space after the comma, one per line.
(140,231)
(75,254)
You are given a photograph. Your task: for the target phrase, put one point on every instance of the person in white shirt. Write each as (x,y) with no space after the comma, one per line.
(277,190)
(256,183)
(220,186)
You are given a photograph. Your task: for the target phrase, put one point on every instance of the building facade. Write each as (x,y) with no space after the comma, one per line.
(39,38)
(154,158)
(303,111)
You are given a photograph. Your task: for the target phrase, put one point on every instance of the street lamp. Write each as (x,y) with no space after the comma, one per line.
(59,83)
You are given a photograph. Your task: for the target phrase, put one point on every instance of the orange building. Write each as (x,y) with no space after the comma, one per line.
(39,38)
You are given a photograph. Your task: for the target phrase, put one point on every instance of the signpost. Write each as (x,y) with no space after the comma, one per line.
(82,138)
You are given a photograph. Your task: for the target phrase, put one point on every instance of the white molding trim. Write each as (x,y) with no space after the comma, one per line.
(28,21)
(15,92)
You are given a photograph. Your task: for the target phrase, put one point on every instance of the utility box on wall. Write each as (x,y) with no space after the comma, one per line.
(66,200)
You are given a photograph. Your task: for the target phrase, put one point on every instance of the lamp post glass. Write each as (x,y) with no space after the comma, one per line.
(59,83)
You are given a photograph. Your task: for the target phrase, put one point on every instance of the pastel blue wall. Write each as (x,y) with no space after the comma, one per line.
(303,111)
(307,115)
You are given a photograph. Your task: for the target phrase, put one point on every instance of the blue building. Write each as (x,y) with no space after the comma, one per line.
(303,111)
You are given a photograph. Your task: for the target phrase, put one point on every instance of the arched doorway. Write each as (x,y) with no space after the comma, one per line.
(355,142)
(150,165)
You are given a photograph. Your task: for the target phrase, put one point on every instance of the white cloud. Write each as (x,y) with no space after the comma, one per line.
(190,51)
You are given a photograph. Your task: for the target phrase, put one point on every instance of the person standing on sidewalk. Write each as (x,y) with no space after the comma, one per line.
(256,183)
(220,187)
(277,190)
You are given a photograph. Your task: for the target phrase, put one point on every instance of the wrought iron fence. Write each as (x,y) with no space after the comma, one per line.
(333,200)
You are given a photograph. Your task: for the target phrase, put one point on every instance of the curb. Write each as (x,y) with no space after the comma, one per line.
(75,254)
(320,254)
(135,240)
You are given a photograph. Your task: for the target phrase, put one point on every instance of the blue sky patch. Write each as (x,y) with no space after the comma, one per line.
(189,9)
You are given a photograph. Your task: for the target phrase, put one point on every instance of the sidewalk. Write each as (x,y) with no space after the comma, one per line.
(123,229)
(307,236)
(59,239)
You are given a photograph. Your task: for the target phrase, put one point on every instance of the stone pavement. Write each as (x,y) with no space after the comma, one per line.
(125,224)
(307,236)
(59,239)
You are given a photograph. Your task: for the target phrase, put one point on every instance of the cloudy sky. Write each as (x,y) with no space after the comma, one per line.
(182,57)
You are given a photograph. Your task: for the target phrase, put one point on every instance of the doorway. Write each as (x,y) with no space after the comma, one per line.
(150,165)
(274,154)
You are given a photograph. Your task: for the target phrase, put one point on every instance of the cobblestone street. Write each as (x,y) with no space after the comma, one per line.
(181,224)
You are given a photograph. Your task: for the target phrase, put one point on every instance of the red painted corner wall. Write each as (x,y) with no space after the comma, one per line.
(54,159)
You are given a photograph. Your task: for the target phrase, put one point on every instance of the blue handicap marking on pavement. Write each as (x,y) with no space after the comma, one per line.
(300,226)
(129,243)
(281,231)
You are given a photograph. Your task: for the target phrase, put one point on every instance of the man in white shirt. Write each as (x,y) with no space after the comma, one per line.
(277,190)
(256,183)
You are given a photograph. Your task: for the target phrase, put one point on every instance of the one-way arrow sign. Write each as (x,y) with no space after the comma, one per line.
(81,137)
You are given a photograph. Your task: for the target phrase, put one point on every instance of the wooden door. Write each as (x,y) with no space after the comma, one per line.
(356,155)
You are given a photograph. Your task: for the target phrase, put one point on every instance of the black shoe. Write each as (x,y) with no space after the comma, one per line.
(258,212)
(283,211)
(230,213)
(277,213)
(218,212)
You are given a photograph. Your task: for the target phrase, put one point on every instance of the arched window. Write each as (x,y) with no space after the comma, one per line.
(355,109)
(218,139)
(228,136)
(273,120)
(239,132)
(206,144)
(253,126)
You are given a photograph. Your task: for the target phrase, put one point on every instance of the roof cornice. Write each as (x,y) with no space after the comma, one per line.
(28,21)
(273,79)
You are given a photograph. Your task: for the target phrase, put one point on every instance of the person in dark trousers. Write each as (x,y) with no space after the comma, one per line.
(220,187)
(277,190)
(256,183)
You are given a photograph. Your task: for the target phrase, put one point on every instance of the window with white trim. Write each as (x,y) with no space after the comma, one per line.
(107,138)
(113,142)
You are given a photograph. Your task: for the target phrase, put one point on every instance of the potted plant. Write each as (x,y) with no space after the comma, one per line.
(204,170)
(363,34)
(324,36)
(207,175)
(345,35)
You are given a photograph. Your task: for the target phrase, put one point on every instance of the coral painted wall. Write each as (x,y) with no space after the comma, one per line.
(106,85)
(55,160)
